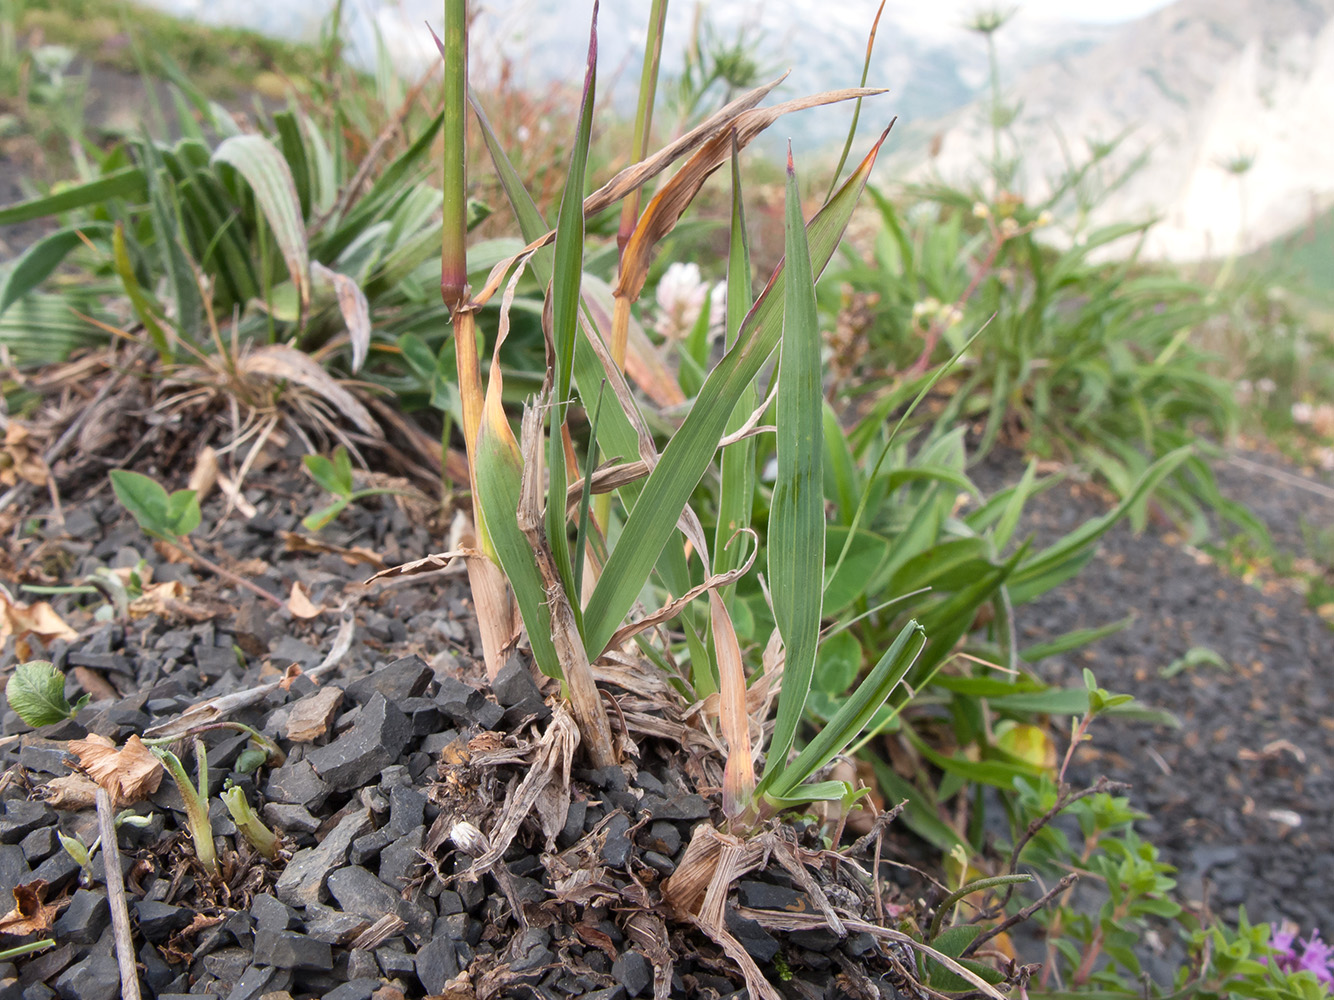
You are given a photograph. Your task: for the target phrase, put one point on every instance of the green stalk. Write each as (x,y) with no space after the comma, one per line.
(196,802)
(648,89)
(454,258)
(251,826)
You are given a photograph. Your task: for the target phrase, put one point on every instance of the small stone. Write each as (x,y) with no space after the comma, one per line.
(610,993)
(297,783)
(818,939)
(396,963)
(459,701)
(368,848)
(14,871)
(324,923)
(617,846)
(399,859)
(683,808)
(40,844)
(361,893)
(291,648)
(765,896)
(660,863)
(514,685)
(352,760)
(361,988)
(424,714)
(97,977)
(58,871)
(406,677)
(290,950)
(290,817)
(574,824)
(44,757)
(361,964)
(271,914)
(84,920)
(663,837)
(158,921)
(253,983)
(407,807)
(759,943)
(631,970)
(302,882)
(859,944)
(22,817)
(240,927)
(311,717)
(437,963)
(529,952)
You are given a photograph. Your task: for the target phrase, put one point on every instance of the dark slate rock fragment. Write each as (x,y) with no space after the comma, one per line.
(361,964)
(399,859)
(100,661)
(359,755)
(240,927)
(759,943)
(683,808)
(663,837)
(459,701)
(368,848)
(45,758)
(97,977)
(302,881)
(254,983)
(458,927)
(425,716)
(407,807)
(291,648)
(40,844)
(14,871)
(616,848)
(437,963)
(22,817)
(817,939)
(361,893)
(632,970)
(765,896)
(214,659)
(158,921)
(610,993)
(271,914)
(296,783)
(859,944)
(58,871)
(361,988)
(84,920)
(406,677)
(157,972)
(660,863)
(489,715)
(529,952)
(514,685)
(291,950)
(528,709)
(324,923)
(290,817)
(574,824)
(395,962)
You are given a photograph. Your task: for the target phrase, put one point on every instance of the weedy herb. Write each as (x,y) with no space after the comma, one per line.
(36,692)
(196,802)
(335,475)
(251,826)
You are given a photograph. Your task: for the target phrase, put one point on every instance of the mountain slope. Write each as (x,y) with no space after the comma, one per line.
(1198,86)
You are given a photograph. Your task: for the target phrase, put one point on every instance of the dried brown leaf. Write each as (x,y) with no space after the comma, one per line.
(38,619)
(129,774)
(292,542)
(70,792)
(31,913)
(204,476)
(300,604)
(282,363)
(159,599)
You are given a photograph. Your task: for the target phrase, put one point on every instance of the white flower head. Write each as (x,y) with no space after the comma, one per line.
(680,296)
(1302,413)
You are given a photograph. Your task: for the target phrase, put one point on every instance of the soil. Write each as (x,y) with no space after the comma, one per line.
(1241,797)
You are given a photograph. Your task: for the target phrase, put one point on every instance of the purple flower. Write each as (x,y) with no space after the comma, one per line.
(1316,956)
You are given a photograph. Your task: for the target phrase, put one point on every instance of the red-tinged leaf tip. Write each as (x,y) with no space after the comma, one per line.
(592,50)
(438,43)
(791,168)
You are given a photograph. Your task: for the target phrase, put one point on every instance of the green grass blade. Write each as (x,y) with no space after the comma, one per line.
(42,258)
(796,516)
(143,307)
(590,463)
(857,106)
(127,182)
(853,716)
(568,271)
(690,451)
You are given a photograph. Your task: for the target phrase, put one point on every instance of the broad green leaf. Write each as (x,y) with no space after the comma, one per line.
(324,472)
(146,500)
(320,518)
(838,663)
(259,162)
(42,258)
(127,182)
(796,543)
(36,691)
(183,512)
(866,558)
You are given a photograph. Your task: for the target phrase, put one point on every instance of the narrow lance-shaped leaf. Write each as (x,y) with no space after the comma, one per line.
(569,268)
(42,258)
(691,449)
(796,518)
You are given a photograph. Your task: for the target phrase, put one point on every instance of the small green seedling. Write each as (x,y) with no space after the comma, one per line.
(335,475)
(83,854)
(251,826)
(196,802)
(168,517)
(36,693)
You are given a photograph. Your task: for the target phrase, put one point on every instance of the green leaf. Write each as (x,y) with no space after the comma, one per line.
(316,520)
(146,500)
(36,692)
(43,257)
(1073,640)
(183,512)
(259,162)
(838,663)
(139,300)
(128,182)
(326,473)
(796,545)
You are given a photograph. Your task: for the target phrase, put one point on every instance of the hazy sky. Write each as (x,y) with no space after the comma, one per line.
(1089,10)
